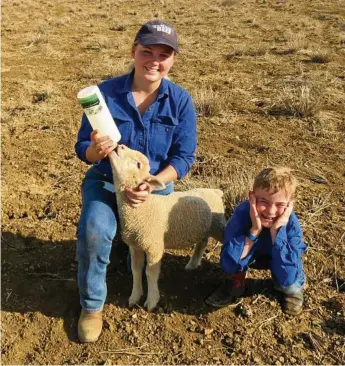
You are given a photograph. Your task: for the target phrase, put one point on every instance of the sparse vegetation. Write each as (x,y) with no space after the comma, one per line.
(267,78)
(301,101)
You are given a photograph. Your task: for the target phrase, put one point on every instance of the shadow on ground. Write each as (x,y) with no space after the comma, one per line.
(40,276)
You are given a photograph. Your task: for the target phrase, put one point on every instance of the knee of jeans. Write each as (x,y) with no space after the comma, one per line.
(95,237)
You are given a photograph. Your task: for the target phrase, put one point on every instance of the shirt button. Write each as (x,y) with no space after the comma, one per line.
(141,143)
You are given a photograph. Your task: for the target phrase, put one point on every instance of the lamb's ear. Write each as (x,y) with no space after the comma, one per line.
(154,182)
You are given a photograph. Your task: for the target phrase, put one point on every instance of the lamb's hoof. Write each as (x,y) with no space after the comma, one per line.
(133,300)
(191,265)
(151,304)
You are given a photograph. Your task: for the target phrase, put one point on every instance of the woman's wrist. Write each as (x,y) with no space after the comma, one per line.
(91,154)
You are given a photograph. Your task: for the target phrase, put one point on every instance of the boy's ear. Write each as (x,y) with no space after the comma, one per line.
(154,182)
(250,194)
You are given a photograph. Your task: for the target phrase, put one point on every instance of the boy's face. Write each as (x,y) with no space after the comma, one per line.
(270,206)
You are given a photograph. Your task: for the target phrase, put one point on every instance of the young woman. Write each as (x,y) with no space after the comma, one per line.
(154,116)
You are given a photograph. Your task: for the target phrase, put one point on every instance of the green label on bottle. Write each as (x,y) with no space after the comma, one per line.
(90,101)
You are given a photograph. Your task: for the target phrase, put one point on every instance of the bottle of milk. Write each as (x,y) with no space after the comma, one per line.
(97,112)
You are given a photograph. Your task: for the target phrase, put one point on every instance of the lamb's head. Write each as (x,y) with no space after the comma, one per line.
(131,168)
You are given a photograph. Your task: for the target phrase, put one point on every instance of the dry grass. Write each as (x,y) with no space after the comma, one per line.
(209,102)
(260,49)
(296,41)
(301,101)
(267,78)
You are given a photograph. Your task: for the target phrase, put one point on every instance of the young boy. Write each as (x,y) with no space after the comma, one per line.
(264,233)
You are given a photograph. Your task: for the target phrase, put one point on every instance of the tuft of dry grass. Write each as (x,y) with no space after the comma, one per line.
(318,56)
(216,172)
(259,49)
(229,2)
(316,210)
(123,26)
(36,39)
(100,43)
(300,101)
(296,41)
(209,102)
(328,124)
(96,71)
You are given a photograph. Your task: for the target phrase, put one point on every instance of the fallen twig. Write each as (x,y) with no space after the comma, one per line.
(266,321)
(236,304)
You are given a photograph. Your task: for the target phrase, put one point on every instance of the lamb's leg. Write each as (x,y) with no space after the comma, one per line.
(152,273)
(195,260)
(137,264)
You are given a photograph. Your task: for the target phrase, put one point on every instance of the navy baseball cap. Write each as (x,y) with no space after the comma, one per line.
(157,32)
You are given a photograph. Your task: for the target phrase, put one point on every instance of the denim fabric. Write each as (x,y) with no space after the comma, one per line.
(96,231)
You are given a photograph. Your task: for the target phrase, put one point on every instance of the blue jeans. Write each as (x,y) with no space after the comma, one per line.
(264,262)
(96,230)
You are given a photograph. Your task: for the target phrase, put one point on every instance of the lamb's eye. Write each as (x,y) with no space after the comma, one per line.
(138,164)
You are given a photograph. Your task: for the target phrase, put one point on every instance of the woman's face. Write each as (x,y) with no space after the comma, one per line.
(153,62)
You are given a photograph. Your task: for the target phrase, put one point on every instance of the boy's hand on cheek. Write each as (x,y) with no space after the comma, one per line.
(254,216)
(284,218)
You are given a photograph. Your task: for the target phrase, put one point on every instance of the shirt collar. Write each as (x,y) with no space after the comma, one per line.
(127,86)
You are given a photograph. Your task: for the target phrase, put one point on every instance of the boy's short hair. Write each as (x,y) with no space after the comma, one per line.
(276,179)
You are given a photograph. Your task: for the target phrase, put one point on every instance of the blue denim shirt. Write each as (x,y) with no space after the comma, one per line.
(166,133)
(285,252)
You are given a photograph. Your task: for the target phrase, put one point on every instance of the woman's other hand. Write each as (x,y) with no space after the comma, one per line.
(139,195)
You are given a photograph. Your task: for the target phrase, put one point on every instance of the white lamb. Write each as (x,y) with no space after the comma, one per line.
(175,221)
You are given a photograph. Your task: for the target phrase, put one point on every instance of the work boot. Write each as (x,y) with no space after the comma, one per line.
(89,326)
(229,291)
(292,304)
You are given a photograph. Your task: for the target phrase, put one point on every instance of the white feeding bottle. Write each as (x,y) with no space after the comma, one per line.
(97,112)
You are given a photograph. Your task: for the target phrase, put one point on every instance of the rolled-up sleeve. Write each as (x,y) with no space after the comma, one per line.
(83,139)
(182,151)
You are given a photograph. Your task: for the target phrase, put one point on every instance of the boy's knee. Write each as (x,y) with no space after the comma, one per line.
(228,267)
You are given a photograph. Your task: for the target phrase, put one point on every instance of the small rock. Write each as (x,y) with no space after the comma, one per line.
(208,331)
(281,359)
(134,316)
(200,341)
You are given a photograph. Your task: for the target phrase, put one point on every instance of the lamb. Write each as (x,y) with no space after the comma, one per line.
(175,221)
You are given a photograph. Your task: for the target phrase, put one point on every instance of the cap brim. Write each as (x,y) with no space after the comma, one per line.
(156,40)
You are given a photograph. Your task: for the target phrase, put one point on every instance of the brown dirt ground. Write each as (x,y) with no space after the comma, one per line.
(267,78)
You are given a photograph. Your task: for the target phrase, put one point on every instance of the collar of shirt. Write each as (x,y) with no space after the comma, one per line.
(126,87)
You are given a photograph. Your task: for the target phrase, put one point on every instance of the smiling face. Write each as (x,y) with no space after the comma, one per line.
(270,205)
(152,62)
